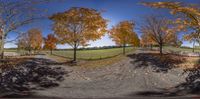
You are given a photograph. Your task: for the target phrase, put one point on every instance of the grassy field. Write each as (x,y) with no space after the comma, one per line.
(93,54)
(180,49)
(171,48)
(105,57)
(84,54)
(10,50)
(100,53)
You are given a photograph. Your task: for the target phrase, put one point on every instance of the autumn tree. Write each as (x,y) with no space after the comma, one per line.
(18,13)
(23,42)
(189,13)
(146,40)
(35,38)
(179,43)
(77,26)
(159,30)
(1,36)
(188,16)
(192,37)
(50,42)
(122,34)
(176,42)
(135,40)
(31,41)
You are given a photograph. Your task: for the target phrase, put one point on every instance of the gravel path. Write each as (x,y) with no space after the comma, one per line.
(122,79)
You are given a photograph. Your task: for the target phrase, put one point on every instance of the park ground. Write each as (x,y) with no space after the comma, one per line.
(108,74)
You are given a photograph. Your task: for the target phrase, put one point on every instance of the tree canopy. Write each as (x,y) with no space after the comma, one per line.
(77,26)
(50,42)
(160,31)
(122,34)
(31,40)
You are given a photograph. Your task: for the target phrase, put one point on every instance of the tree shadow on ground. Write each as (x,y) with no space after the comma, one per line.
(14,62)
(155,61)
(182,89)
(191,86)
(30,74)
(28,95)
(43,61)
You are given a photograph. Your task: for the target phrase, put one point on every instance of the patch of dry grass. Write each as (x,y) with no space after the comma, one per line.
(174,59)
(90,63)
(102,62)
(185,62)
(191,62)
(12,62)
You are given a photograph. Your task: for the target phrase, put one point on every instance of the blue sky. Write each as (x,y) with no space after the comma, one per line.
(115,11)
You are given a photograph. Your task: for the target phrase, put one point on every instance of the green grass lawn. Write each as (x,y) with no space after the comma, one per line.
(180,49)
(10,50)
(93,54)
(100,53)
(84,54)
(21,52)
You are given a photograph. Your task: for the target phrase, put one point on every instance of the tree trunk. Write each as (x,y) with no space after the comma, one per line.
(75,49)
(2,46)
(160,46)
(51,51)
(193,46)
(124,49)
(151,47)
(29,51)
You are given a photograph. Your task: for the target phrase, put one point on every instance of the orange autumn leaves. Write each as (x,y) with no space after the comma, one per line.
(184,11)
(188,16)
(50,42)
(78,26)
(31,40)
(123,34)
(35,38)
(159,31)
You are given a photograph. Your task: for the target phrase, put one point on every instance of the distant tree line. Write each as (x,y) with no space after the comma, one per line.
(93,48)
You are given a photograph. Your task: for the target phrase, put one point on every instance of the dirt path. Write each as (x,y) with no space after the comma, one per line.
(122,79)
